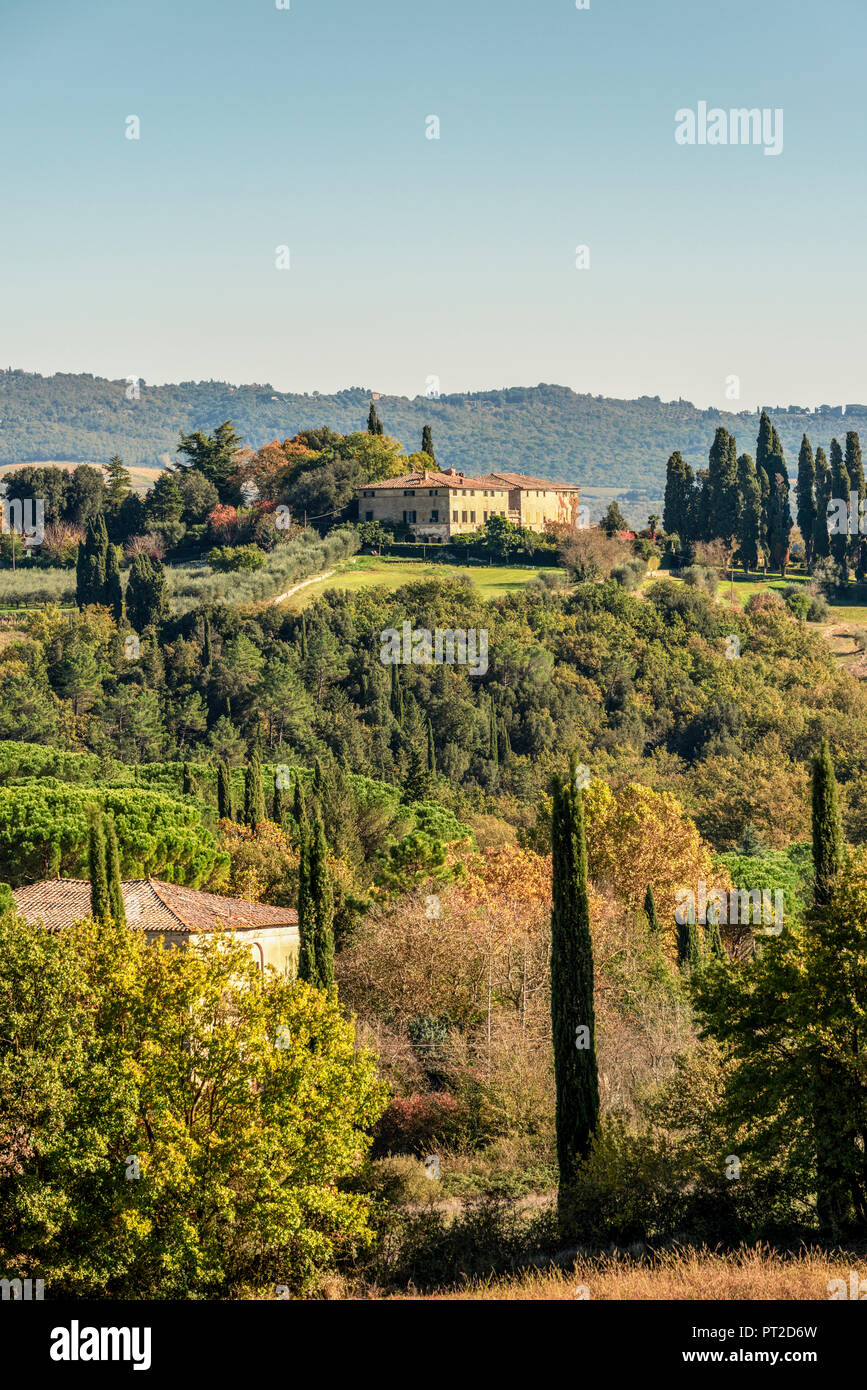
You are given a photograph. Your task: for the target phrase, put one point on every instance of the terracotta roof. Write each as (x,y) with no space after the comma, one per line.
(524,480)
(432,478)
(151,905)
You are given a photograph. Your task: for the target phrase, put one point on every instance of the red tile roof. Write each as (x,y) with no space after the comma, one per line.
(501,481)
(151,905)
(433,478)
(523,480)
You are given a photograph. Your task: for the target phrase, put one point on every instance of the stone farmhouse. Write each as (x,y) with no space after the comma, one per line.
(172,914)
(437,505)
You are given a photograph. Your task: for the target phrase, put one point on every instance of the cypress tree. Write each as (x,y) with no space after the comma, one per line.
(854,464)
(279,802)
(298,812)
(90,568)
(207,650)
(840,484)
(688,946)
(650,911)
(145,592)
(427,443)
(112,874)
(821,538)
(722,486)
(322,901)
(113,586)
(572,1010)
(100,902)
(254,796)
(713,942)
(749,514)
(306,920)
(779,522)
(855,472)
(318,778)
(431,750)
(827,827)
(374,424)
(303,637)
(493,742)
(806,499)
(678,505)
(225,810)
(187,783)
(396,697)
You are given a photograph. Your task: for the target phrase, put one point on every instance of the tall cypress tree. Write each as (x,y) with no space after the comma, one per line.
(650,911)
(573,1020)
(145,592)
(855,471)
(298,812)
(100,902)
(840,484)
(207,649)
(749,514)
(688,946)
(714,943)
(395,700)
(431,749)
(806,499)
(722,486)
(90,568)
(113,587)
(374,424)
(112,874)
(427,443)
(779,522)
(254,796)
(827,827)
(677,511)
(322,902)
(821,538)
(306,919)
(225,810)
(278,809)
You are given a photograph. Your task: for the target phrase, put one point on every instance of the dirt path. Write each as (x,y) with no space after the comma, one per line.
(304,582)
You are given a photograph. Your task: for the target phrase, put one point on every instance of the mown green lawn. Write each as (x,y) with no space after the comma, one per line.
(492,581)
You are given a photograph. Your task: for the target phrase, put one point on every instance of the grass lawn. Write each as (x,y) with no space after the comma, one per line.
(492,581)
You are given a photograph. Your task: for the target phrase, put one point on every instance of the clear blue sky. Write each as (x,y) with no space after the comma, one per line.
(454,258)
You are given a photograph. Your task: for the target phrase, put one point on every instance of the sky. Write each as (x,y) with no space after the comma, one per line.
(718,273)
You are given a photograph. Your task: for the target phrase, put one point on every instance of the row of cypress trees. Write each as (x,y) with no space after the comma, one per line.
(738,499)
(106,898)
(572,1002)
(315,891)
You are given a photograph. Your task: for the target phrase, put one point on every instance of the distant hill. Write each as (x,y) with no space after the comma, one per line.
(547,430)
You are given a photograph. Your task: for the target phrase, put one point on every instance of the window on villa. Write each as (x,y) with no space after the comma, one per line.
(435,516)
(454,516)
(368,516)
(472,516)
(463,516)
(409,492)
